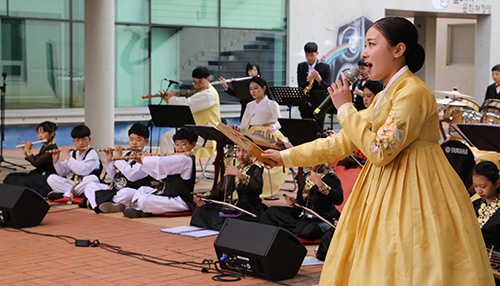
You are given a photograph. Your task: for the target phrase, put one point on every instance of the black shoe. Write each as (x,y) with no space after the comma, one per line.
(133,213)
(55,196)
(83,204)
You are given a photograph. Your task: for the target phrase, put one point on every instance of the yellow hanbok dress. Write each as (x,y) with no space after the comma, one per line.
(409,219)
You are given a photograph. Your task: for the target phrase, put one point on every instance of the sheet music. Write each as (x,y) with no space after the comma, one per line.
(191,231)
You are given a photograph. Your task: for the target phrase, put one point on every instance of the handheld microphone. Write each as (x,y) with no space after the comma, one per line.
(352,75)
(179,83)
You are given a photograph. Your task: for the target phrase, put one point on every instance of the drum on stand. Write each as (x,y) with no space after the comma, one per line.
(490,111)
(465,116)
(459,103)
(461,159)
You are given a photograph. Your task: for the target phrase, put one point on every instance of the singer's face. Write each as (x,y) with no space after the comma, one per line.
(379,56)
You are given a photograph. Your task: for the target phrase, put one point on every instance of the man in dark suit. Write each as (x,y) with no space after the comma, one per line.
(319,74)
(493,90)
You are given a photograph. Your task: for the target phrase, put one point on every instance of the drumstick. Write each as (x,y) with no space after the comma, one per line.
(34,142)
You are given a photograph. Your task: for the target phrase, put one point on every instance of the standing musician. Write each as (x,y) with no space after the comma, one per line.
(252,69)
(36,179)
(126,175)
(204,105)
(83,163)
(246,180)
(314,72)
(493,90)
(176,173)
(319,190)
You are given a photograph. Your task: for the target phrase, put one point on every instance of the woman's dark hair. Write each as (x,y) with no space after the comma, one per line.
(400,30)
(80,131)
(374,85)
(47,126)
(260,81)
(185,134)
(139,130)
(487,169)
(250,66)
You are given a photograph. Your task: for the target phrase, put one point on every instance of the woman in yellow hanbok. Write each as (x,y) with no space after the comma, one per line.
(409,220)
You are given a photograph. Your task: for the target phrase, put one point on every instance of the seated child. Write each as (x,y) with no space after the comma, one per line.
(82,162)
(126,174)
(319,190)
(36,179)
(246,180)
(176,173)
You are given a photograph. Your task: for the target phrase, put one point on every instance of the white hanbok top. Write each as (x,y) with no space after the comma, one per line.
(266,112)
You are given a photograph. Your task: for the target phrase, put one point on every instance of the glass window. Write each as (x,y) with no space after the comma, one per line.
(3,7)
(78,59)
(42,58)
(185,13)
(176,52)
(78,9)
(132,11)
(239,47)
(131,65)
(256,14)
(51,9)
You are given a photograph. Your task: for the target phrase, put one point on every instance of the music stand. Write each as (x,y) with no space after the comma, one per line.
(2,126)
(289,96)
(482,136)
(170,115)
(299,131)
(211,133)
(241,89)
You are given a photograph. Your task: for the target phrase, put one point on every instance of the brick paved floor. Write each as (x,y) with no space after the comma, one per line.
(29,259)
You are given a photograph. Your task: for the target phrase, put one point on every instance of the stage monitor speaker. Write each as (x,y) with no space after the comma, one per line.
(21,206)
(259,250)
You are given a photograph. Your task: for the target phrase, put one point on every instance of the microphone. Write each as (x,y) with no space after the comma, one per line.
(352,75)
(179,83)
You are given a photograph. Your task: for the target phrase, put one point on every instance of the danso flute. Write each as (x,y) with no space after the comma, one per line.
(59,150)
(34,142)
(138,156)
(230,80)
(124,149)
(176,92)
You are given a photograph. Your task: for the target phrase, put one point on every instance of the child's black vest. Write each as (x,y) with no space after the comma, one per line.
(96,172)
(120,181)
(174,185)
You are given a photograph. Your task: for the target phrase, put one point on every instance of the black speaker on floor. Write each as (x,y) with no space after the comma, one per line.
(259,250)
(21,206)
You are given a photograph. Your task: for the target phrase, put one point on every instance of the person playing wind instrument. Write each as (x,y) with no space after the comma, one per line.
(176,173)
(246,180)
(205,106)
(36,179)
(82,163)
(126,175)
(314,76)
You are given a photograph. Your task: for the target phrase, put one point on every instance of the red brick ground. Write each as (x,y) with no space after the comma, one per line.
(28,259)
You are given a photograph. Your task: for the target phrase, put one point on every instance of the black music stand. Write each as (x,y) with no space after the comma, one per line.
(289,96)
(241,89)
(300,131)
(2,126)
(168,116)
(211,133)
(482,136)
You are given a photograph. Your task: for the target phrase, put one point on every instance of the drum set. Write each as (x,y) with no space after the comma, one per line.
(458,108)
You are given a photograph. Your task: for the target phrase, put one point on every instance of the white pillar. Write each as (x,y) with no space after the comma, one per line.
(99,71)
(484,57)
(426,27)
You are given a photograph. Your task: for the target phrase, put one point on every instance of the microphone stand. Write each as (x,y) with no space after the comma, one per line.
(2,126)
(151,123)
